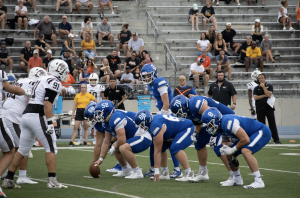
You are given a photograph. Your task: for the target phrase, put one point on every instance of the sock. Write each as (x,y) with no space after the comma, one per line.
(257,176)
(22,173)
(231,173)
(187,170)
(51,174)
(10,175)
(136,169)
(202,168)
(10,71)
(128,166)
(177,168)
(237,175)
(164,169)
(151,154)
(152,169)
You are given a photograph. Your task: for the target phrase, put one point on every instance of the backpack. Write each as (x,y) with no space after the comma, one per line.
(11,23)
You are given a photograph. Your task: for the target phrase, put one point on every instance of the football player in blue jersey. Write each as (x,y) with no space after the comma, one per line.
(251,136)
(171,133)
(160,90)
(192,109)
(130,138)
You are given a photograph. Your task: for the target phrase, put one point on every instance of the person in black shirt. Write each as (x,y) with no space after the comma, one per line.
(133,62)
(244,47)
(40,45)
(3,16)
(208,15)
(228,35)
(194,17)
(25,54)
(114,63)
(47,59)
(211,35)
(124,36)
(115,94)
(222,91)
(261,94)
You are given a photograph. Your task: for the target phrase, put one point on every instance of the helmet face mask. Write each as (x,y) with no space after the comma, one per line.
(179,106)
(143,119)
(148,73)
(211,128)
(59,69)
(211,119)
(255,74)
(180,113)
(93,79)
(99,116)
(104,110)
(142,125)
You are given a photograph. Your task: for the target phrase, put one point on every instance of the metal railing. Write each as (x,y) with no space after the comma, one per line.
(138,8)
(153,27)
(169,57)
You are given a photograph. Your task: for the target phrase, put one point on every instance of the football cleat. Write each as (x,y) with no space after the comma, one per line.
(25,180)
(114,169)
(80,142)
(230,178)
(233,182)
(30,155)
(52,183)
(9,183)
(135,175)
(202,176)
(164,175)
(123,173)
(255,185)
(176,174)
(186,177)
(36,143)
(150,173)
(2,195)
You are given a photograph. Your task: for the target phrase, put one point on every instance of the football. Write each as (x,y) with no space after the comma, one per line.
(94,170)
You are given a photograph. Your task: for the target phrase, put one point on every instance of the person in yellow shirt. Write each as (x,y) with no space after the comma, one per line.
(253,56)
(88,46)
(81,100)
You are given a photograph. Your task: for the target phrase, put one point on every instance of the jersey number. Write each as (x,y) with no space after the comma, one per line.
(171,118)
(11,95)
(94,94)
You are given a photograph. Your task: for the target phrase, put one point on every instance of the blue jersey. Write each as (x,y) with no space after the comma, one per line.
(195,103)
(153,89)
(173,125)
(231,123)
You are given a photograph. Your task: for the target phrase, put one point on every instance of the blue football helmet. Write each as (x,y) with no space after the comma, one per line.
(11,79)
(179,106)
(103,110)
(89,113)
(148,69)
(143,119)
(211,119)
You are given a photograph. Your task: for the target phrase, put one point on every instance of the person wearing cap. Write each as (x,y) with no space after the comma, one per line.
(127,79)
(3,16)
(68,45)
(135,44)
(197,71)
(85,3)
(21,14)
(5,56)
(228,35)
(47,59)
(257,30)
(68,58)
(253,56)
(31,3)
(34,61)
(40,45)
(104,32)
(84,76)
(208,15)
(194,16)
(25,54)
(64,3)
(65,28)
(46,27)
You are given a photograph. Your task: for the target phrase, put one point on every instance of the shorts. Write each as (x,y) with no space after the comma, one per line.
(192,77)
(14,130)
(70,90)
(1,62)
(48,36)
(136,80)
(65,4)
(80,114)
(104,38)
(86,4)
(139,144)
(231,45)
(104,1)
(210,21)
(6,138)
(113,70)
(17,17)
(279,20)
(26,3)
(254,62)
(25,63)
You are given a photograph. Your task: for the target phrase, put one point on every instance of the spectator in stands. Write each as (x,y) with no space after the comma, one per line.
(132,62)
(25,54)
(266,49)
(104,32)
(114,63)
(222,91)
(64,3)
(253,56)
(228,35)
(68,58)
(85,3)
(211,35)
(137,78)
(135,44)
(206,64)
(47,59)
(297,10)
(220,45)
(208,15)
(105,72)
(68,45)
(115,94)
(223,64)
(3,16)
(143,56)
(34,61)
(84,76)
(243,48)
(40,45)
(124,36)
(81,61)
(89,47)
(262,2)
(197,70)
(228,2)
(86,27)
(67,89)
(45,27)
(127,79)
(184,89)
(91,66)
(65,28)
(194,17)
(257,30)
(31,3)
(103,3)
(5,56)
(283,15)
(204,45)
(21,14)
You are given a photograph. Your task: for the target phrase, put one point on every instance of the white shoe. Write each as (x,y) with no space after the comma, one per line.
(255,185)
(164,175)
(239,4)
(217,4)
(112,13)
(202,176)
(233,182)
(30,155)
(230,178)
(123,173)
(25,180)
(80,142)
(36,12)
(186,177)
(52,183)
(135,175)
(284,28)
(94,142)
(291,28)
(2,193)
(36,143)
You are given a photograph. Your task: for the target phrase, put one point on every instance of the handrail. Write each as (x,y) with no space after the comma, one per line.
(171,60)
(151,24)
(138,8)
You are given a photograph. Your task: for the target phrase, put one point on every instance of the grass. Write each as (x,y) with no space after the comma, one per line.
(72,166)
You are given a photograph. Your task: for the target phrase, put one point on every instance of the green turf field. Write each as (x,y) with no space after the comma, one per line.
(281,174)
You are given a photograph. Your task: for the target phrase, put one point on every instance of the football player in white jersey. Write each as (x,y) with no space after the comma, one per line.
(11,80)
(6,139)
(13,108)
(250,87)
(37,121)
(98,91)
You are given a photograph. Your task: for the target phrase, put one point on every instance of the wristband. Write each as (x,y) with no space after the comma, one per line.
(101,159)
(156,171)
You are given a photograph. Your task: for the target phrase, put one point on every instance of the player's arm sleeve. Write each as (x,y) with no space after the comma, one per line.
(235,126)
(50,95)
(162,90)
(121,124)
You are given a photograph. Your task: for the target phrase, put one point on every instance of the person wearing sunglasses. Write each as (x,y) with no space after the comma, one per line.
(184,89)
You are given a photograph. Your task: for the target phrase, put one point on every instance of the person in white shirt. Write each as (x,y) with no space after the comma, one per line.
(86,3)
(21,16)
(250,88)
(87,27)
(283,16)
(257,30)
(30,3)
(197,70)
(204,45)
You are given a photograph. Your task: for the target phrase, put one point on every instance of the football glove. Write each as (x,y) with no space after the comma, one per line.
(28,92)
(50,129)
(252,111)
(194,137)
(212,142)
(112,150)
(226,150)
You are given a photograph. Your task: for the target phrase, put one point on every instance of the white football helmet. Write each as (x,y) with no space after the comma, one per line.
(11,79)
(255,75)
(37,72)
(59,69)
(93,76)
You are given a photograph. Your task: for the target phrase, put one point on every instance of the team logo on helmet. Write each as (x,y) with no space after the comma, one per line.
(61,68)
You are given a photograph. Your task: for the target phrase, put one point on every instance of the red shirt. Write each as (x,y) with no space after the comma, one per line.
(35,62)
(206,62)
(69,80)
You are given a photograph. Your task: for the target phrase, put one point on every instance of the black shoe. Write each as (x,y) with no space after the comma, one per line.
(71,144)
(84,144)
(101,15)
(277,142)
(235,54)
